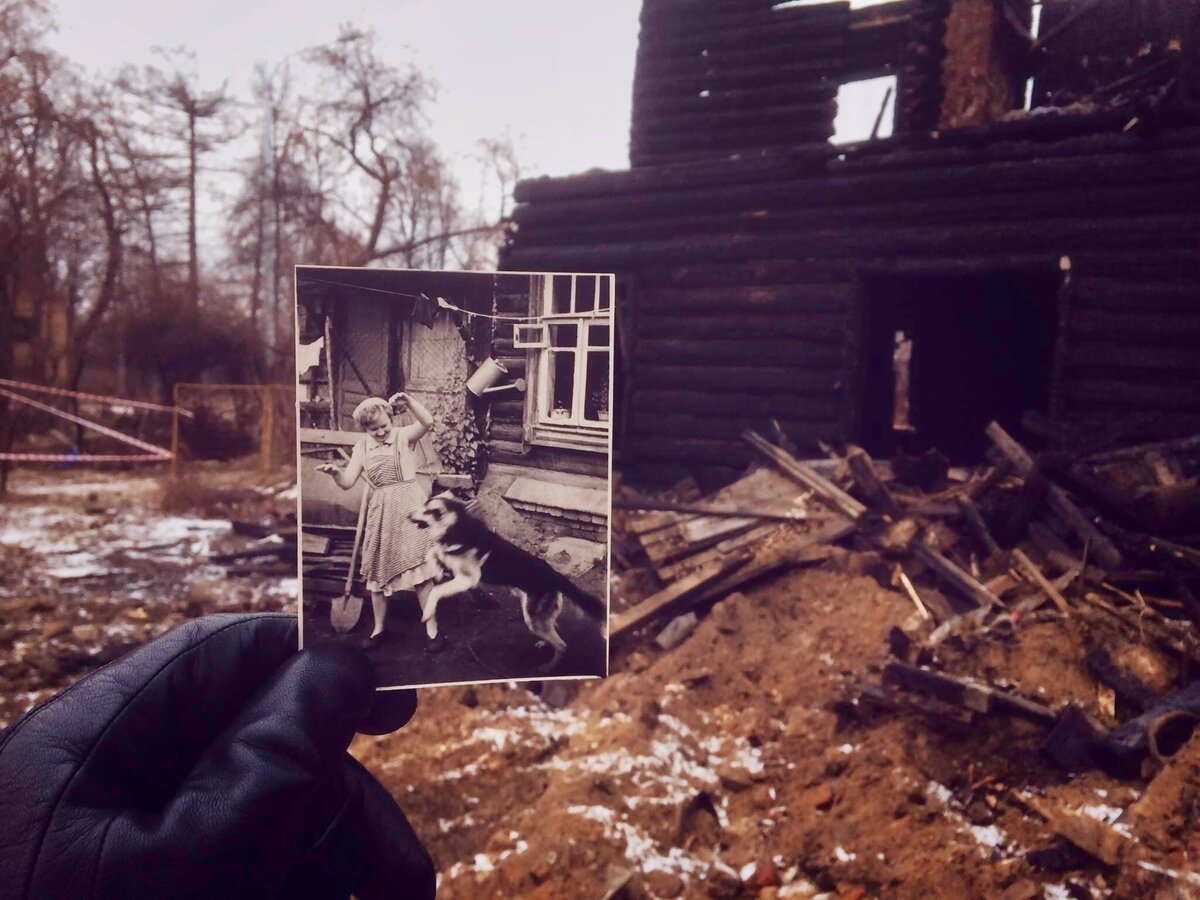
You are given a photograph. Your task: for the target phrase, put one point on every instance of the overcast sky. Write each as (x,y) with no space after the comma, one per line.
(555,76)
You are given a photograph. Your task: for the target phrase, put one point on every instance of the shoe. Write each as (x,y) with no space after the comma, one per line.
(435,645)
(373,641)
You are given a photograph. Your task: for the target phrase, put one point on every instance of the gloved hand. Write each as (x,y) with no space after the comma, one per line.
(209,763)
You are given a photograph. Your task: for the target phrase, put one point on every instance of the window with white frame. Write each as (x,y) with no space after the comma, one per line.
(572,372)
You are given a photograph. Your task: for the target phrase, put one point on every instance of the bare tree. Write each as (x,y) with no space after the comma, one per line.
(203,122)
(389,185)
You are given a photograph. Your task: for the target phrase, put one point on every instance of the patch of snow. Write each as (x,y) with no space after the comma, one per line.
(988,835)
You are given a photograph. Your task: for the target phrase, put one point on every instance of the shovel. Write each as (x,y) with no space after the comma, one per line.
(345,610)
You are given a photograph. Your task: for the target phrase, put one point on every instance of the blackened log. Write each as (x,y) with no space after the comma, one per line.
(657,103)
(769,299)
(636,195)
(686,16)
(955,577)
(828,492)
(1129,687)
(745,77)
(1089,535)
(1025,506)
(828,47)
(814,327)
(715,279)
(965,692)
(1016,238)
(738,379)
(1029,568)
(806,40)
(1111,353)
(745,117)
(973,210)
(705,137)
(978,527)
(823,404)
(869,482)
(706,426)
(1165,395)
(799,354)
(1177,295)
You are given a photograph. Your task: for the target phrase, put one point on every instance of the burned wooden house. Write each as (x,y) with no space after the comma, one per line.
(1025,239)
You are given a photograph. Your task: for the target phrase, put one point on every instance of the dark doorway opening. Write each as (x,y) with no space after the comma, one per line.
(946,354)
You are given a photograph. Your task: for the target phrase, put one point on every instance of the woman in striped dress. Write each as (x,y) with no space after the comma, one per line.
(394,549)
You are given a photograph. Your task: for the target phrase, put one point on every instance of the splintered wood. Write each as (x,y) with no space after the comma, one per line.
(672,541)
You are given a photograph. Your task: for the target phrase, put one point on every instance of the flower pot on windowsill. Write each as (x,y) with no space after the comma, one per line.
(560,414)
(602,415)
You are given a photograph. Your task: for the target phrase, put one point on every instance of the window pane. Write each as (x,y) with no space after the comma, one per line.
(560,301)
(564,336)
(562,384)
(605,292)
(585,293)
(598,336)
(595,399)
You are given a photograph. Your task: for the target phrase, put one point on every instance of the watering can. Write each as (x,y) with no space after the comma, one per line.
(483,381)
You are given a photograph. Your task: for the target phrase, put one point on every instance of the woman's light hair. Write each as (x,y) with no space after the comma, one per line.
(370,410)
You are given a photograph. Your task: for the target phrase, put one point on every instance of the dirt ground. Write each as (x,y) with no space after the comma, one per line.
(730,766)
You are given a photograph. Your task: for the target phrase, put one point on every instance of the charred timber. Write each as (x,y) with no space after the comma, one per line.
(740,353)
(738,379)
(1023,179)
(1178,231)
(1152,199)
(811,327)
(806,38)
(743,301)
(660,104)
(692,19)
(748,116)
(821,406)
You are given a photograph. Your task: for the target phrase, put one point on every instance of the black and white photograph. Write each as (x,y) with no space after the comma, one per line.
(454,460)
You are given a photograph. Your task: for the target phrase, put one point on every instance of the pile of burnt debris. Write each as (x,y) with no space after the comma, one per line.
(1101,546)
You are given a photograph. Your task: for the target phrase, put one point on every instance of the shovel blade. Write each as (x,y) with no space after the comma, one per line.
(344,612)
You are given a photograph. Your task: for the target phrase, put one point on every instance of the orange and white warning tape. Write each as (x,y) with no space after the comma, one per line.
(155,453)
(92,398)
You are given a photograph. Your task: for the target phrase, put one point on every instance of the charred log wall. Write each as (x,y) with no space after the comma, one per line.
(715,77)
(747,272)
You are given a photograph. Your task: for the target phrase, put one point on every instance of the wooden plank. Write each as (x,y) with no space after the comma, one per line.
(673,534)
(1029,568)
(978,527)
(1072,516)
(314,543)
(787,547)
(954,576)
(659,603)
(828,492)
(328,437)
(863,469)
(688,564)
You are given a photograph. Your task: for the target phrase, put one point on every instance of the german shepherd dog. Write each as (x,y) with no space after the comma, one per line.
(472,554)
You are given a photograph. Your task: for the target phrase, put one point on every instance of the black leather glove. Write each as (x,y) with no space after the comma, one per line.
(209,763)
